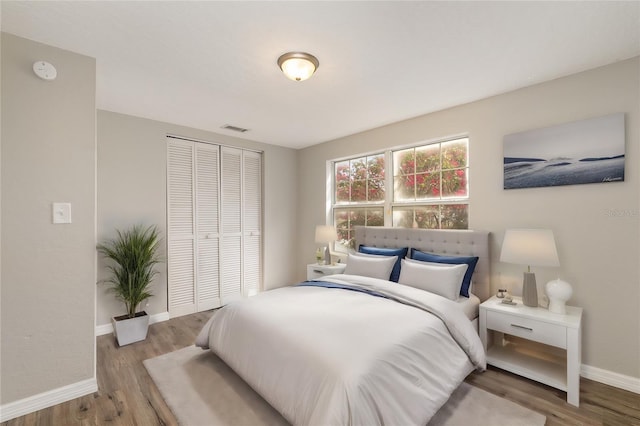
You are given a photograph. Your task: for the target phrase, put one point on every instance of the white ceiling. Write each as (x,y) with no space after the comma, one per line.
(207,64)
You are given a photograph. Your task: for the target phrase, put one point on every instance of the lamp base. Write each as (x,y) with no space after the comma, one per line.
(327,256)
(529,290)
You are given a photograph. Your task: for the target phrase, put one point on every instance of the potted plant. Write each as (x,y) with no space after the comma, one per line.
(133,254)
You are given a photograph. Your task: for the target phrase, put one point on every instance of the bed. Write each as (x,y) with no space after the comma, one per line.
(445,242)
(355,349)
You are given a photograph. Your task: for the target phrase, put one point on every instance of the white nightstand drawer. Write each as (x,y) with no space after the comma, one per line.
(543,332)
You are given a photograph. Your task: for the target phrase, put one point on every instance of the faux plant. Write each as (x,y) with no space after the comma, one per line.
(134,253)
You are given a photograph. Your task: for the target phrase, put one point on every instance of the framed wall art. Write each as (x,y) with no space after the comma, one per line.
(586,151)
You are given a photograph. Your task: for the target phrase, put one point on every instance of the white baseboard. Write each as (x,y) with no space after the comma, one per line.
(108,328)
(632,384)
(47,399)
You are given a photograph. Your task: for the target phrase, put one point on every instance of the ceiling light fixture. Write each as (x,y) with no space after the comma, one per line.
(298,66)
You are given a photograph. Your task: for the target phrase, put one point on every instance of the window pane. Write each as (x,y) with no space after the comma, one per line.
(357,217)
(404,162)
(341,221)
(428,158)
(358,179)
(455,216)
(404,179)
(376,166)
(427,217)
(359,190)
(359,168)
(342,181)
(427,185)
(346,219)
(402,217)
(376,190)
(404,188)
(454,183)
(375,184)
(375,217)
(454,154)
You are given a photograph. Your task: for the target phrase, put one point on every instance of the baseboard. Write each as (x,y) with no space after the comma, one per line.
(632,384)
(104,329)
(108,328)
(47,399)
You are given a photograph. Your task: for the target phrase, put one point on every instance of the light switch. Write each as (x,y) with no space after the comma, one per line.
(61,212)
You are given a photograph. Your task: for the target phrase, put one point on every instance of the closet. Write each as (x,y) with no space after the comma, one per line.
(214,222)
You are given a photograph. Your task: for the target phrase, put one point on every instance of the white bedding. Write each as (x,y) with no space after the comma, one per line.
(325,356)
(469,305)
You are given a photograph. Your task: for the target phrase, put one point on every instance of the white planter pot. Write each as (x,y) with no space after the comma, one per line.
(129,330)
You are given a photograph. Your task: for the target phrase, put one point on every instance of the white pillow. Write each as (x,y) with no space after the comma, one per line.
(441,265)
(442,280)
(370,265)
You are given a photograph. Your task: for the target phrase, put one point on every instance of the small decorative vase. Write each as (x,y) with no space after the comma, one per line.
(558,292)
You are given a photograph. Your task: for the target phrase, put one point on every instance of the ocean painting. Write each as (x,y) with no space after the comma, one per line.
(587,151)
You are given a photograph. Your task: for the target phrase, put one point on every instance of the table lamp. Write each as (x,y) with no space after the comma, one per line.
(325,234)
(531,247)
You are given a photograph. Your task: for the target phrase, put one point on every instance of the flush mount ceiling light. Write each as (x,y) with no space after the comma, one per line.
(298,66)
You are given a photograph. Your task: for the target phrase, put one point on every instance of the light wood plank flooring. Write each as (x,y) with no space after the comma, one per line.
(127,395)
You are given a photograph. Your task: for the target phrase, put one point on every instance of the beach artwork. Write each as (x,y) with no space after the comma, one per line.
(587,151)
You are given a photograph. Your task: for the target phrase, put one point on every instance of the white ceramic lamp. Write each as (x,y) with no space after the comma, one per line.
(531,247)
(326,235)
(558,292)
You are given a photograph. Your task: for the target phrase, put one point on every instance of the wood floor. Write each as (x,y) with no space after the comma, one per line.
(127,395)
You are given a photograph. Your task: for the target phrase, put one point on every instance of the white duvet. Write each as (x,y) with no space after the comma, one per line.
(325,356)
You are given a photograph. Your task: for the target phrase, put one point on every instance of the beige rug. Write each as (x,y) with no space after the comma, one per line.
(202,390)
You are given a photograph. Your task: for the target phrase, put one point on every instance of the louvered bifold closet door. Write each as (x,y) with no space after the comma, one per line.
(231,235)
(214,215)
(252,226)
(180,225)
(207,229)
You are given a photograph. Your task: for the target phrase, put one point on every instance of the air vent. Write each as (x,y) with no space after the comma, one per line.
(235,128)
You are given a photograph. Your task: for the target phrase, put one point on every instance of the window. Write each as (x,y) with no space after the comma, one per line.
(429,188)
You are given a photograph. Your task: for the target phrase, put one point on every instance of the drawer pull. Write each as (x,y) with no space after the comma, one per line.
(522,327)
(318,272)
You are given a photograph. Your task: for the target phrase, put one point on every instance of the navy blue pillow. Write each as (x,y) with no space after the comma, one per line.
(400,252)
(450,260)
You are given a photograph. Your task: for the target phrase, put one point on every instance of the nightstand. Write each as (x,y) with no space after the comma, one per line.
(534,343)
(315,271)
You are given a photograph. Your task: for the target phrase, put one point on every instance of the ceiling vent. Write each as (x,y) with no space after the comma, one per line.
(235,128)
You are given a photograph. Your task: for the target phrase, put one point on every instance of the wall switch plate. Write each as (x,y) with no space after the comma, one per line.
(61,212)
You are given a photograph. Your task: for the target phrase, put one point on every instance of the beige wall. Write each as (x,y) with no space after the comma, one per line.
(132,189)
(599,251)
(48,154)
(49,271)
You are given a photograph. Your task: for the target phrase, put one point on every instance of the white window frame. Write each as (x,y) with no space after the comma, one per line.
(388,204)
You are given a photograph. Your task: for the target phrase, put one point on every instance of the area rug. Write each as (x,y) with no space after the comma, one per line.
(200,389)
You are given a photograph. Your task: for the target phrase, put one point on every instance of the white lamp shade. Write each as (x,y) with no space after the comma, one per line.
(532,247)
(325,234)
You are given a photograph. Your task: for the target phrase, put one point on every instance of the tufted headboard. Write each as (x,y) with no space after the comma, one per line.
(451,242)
